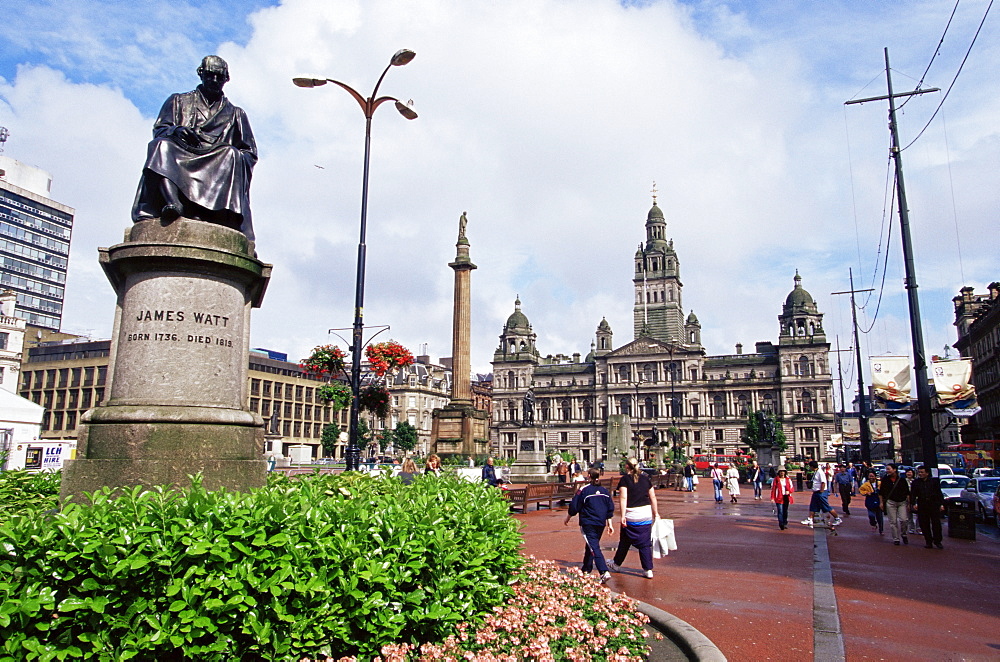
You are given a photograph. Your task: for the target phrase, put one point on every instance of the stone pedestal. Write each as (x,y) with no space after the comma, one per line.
(460,430)
(176,403)
(530,467)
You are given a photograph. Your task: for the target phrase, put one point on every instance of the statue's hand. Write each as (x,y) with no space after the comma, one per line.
(187,135)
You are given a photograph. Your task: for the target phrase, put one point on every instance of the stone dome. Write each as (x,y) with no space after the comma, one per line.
(517,319)
(798,297)
(655,213)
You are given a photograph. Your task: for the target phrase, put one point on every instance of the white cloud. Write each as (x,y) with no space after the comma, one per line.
(548,121)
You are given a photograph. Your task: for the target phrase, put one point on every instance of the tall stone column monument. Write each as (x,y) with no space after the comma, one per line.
(460,428)
(186,277)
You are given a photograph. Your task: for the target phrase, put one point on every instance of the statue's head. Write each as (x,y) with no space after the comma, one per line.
(214,71)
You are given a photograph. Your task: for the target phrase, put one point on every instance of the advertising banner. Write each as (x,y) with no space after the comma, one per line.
(891,378)
(952,381)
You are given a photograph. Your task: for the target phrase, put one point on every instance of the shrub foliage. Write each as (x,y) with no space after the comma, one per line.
(336,565)
(22,491)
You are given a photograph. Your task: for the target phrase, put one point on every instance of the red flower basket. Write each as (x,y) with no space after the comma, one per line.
(374,399)
(324,361)
(388,357)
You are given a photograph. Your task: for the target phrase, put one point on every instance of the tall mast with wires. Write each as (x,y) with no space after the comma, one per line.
(924,417)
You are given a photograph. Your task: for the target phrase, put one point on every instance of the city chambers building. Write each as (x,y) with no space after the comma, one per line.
(663,379)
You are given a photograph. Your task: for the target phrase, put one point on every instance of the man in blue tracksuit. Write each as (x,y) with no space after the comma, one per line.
(596,507)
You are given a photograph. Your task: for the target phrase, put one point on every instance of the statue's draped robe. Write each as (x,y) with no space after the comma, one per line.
(215,174)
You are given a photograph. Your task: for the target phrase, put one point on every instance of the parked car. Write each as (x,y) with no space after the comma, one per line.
(982,491)
(951,486)
(986,472)
(943,469)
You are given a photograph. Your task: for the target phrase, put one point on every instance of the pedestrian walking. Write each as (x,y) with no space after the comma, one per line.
(757,477)
(733,483)
(911,516)
(845,485)
(870,491)
(781,495)
(928,503)
(596,508)
(819,504)
(895,494)
(717,478)
(689,475)
(639,511)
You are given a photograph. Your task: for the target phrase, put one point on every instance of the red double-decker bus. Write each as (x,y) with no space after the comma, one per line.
(706,461)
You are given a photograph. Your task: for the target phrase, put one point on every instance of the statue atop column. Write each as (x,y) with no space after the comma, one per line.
(201,158)
(462,223)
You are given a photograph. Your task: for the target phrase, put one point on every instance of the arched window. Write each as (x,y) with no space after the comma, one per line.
(670,294)
(807,405)
(767,403)
(650,408)
(512,347)
(803,366)
(623,373)
(693,337)
(649,372)
(718,406)
(673,372)
(676,410)
(565,409)
(543,409)
(604,342)
(588,410)
(511,380)
(742,405)
(625,406)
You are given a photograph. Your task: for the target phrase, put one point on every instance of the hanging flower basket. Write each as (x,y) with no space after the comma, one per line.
(388,357)
(374,399)
(324,361)
(337,394)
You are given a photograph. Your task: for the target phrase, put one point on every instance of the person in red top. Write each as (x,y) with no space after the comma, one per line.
(781,495)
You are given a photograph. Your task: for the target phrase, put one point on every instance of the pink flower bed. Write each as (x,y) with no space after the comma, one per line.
(555,615)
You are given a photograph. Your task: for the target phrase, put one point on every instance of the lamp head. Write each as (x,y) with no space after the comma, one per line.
(402,57)
(406,109)
(309,82)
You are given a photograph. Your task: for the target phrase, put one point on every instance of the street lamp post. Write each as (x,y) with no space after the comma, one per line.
(368,107)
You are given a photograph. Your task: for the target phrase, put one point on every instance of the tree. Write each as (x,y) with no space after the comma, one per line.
(405,436)
(763,430)
(386,438)
(329,438)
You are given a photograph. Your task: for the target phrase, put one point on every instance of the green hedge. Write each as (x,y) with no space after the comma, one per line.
(21,491)
(337,565)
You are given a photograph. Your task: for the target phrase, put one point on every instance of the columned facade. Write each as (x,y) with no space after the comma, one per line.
(663,379)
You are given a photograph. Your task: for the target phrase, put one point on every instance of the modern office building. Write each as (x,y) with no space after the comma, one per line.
(68,377)
(35,233)
(663,380)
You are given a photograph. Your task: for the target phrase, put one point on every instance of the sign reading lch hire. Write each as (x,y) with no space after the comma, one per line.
(180,340)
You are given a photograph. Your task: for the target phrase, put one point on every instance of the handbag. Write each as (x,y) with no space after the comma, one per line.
(694,479)
(664,540)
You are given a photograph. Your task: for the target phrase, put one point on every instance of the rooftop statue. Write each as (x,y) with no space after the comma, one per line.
(201,158)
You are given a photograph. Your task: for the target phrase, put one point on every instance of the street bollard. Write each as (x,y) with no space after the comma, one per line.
(799,482)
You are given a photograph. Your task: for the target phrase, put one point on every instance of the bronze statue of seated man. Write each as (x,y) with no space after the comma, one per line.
(200,161)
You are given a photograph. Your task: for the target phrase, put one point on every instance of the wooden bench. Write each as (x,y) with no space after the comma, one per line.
(540,493)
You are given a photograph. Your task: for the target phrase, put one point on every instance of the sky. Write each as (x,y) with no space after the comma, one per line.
(548,122)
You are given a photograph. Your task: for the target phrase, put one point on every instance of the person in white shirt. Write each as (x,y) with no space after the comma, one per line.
(820,504)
